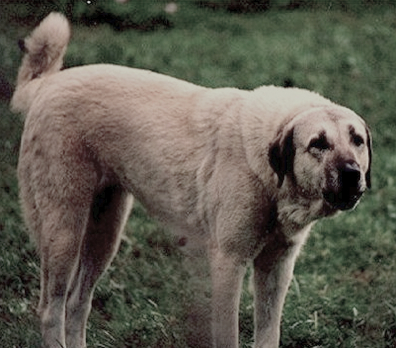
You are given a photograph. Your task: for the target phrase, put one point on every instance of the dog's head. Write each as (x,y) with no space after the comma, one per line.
(324,154)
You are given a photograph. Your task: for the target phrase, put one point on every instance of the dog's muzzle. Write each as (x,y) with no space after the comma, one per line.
(346,191)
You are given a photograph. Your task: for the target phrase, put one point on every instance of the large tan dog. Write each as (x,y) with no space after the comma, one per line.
(246,173)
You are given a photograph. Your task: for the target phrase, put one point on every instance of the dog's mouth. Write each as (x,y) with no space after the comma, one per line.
(343,200)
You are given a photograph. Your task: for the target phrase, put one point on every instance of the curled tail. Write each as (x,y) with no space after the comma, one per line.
(44,50)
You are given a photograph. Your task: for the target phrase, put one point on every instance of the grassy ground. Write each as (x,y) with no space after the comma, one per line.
(344,290)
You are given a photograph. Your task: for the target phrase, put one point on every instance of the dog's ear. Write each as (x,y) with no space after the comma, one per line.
(281,155)
(370,151)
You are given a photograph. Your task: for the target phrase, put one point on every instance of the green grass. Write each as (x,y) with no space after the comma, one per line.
(344,290)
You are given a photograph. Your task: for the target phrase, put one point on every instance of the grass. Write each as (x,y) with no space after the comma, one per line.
(344,290)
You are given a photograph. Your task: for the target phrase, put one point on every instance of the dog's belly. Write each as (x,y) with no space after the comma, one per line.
(172,199)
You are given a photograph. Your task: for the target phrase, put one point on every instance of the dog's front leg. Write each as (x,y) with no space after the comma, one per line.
(273,271)
(227,276)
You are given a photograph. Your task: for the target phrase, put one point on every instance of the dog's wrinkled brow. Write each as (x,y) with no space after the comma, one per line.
(353,133)
(351,129)
(320,141)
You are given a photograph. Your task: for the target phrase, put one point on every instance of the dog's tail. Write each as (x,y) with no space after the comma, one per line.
(44,50)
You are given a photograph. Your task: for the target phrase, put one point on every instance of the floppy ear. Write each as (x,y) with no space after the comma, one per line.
(370,147)
(281,155)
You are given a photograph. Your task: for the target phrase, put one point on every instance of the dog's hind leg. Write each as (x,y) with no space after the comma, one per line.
(108,215)
(56,188)
(60,239)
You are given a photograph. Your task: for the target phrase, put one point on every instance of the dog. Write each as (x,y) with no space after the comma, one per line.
(244,173)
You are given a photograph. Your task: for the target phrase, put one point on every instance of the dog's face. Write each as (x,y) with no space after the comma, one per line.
(324,154)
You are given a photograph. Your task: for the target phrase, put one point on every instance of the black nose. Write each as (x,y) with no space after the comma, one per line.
(347,192)
(349,175)
(349,185)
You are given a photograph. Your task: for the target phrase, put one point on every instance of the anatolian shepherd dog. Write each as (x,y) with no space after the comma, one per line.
(246,172)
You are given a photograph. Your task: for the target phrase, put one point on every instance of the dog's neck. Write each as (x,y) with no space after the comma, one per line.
(298,210)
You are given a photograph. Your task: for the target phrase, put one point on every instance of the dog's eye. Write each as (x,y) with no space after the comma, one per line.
(320,144)
(357,140)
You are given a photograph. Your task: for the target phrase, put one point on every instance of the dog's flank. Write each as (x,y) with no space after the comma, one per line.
(244,174)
